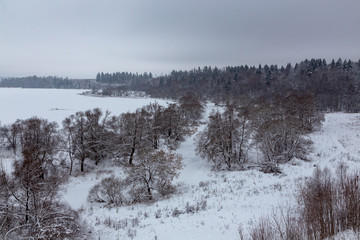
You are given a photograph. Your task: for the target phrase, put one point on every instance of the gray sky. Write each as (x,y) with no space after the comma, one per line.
(78,38)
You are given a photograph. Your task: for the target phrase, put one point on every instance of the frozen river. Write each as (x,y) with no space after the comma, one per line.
(57,104)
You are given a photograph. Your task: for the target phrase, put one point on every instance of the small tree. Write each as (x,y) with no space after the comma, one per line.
(226,139)
(281,140)
(174,125)
(10,133)
(153,174)
(74,128)
(31,191)
(85,135)
(154,121)
(97,134)
(280,127)
(32,209)
(191,107)
(134,133)
(110,190)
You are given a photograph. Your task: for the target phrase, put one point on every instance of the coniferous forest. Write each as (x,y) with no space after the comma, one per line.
(333,84)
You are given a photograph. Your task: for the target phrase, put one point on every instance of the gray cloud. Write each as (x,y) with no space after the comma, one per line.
(78,38)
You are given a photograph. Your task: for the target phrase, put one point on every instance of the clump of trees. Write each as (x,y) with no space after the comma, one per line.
(147,180)
(277,127)
(226,139)
(280,127)
(137,140)
(29,199)
(96,135)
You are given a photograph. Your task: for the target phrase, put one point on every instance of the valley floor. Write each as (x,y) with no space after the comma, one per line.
(213,205)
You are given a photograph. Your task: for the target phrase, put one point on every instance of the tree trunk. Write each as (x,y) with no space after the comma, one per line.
(82,164)
(149,193)
(131,155)
(71,165)
(27,205)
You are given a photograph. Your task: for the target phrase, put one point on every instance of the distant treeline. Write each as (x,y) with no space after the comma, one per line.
(46,82)
(122,77)
(335,85)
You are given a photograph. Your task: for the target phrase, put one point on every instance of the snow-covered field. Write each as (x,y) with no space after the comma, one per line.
(209,205)
(57,104)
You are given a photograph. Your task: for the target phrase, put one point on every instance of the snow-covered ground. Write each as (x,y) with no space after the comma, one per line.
(209,205)
(212,205)
(57,104)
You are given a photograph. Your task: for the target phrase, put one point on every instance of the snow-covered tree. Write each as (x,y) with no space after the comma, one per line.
(85,135)
(174,125)
(153,174)
(226,139)
(191,107)
(10,135)
(29,199)
(134,133)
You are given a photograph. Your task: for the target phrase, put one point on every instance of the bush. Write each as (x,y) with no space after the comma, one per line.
(270,168)
(110,190)
(149,179)
(327,206)
(153,175)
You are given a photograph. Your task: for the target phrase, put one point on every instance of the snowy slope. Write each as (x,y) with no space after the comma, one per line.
(209,205)
(212,205)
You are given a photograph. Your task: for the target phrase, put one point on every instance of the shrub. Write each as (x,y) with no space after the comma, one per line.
(153,175)
(110,190)
(327,206)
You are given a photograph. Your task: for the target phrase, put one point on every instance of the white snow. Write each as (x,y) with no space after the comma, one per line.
(57,104)
(224,200)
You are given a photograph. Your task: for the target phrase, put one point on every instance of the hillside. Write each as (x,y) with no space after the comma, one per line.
(213,205)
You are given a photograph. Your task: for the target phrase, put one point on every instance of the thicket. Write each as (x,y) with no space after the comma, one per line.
(277,128)
(148,180)
(29,195)
(327,205)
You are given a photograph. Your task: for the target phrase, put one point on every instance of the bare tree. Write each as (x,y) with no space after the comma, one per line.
(111,190)
(134,133)
(32,209)
(302,106)
(155,124)
(281,140)
(86,135)
(75,131)
(280,127)
(191,107)
(153,174)
(226,139)
(97,134)
(39,142)
(11,135)
(174,125)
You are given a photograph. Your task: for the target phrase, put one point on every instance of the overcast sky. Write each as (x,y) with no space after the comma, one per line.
(78,38)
